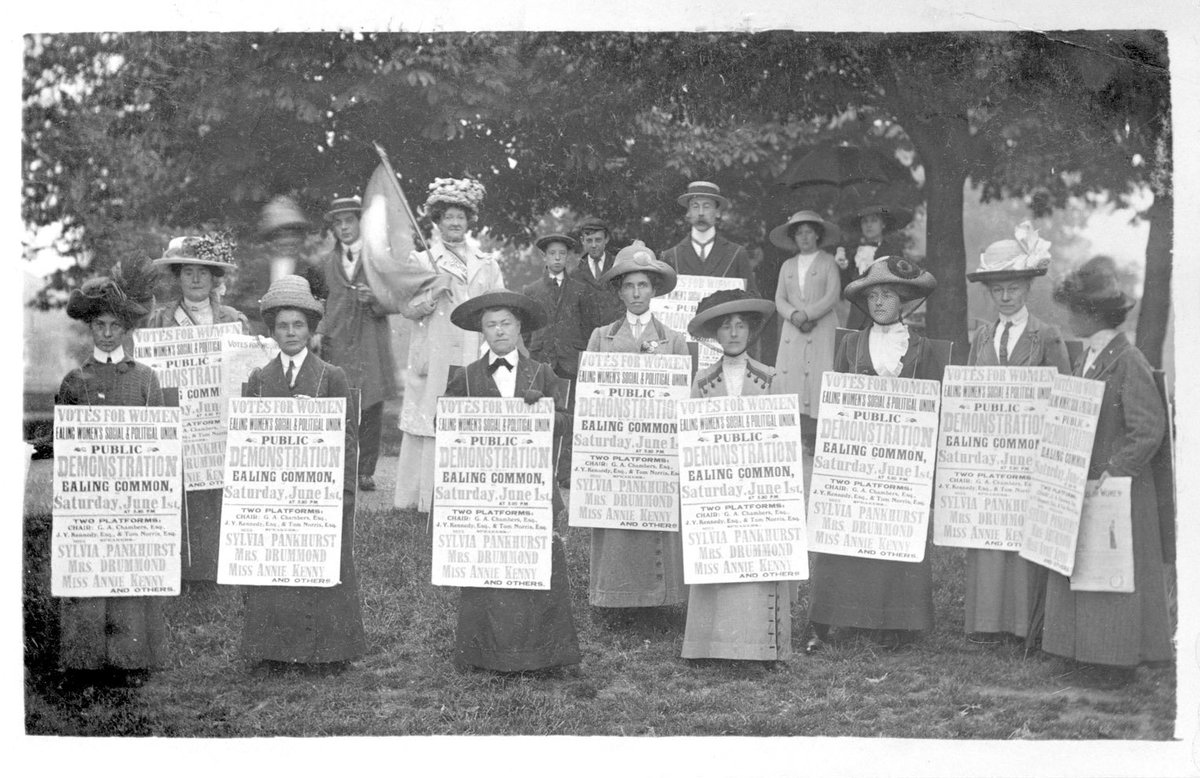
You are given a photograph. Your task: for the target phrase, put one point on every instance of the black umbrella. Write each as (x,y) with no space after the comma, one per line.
(837,166)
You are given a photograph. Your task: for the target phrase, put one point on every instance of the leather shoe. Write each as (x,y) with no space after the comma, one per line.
(366,483)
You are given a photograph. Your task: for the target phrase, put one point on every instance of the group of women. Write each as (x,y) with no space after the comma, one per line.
(891,601)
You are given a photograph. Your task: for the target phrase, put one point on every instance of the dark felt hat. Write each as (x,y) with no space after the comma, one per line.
(566,240)
(894,217)
(98,296)
(638,258)
(725,302)
(1093,287)
(466,315)
(592,224)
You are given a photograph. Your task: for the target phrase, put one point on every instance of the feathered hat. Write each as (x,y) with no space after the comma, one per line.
(127,292)
(1006,260)
(463,192)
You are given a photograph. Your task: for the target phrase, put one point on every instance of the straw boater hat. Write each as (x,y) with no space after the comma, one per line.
(724,302)
(637,258)
(463,192)
(281,213)
(344,205)
(894,217)
(592,224)
(531,313)
(1006,260)
(911,281)
(291,292)
(703,189)
(1093,287)
(781,235)
(214,252)
(127,293)
(557,237)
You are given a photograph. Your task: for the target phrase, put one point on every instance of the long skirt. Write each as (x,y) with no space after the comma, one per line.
(308,624)
(636,569)
(739,621)
(850,591)
(1109,628)
(201,535)
(414,473)
(518,629)
(999,592)
(128,633)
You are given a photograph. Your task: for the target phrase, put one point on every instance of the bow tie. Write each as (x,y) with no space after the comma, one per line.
(499,363)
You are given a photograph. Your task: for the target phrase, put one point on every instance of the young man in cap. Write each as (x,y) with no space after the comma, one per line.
(703,252)
(354,334)
(605,305)
(569,324)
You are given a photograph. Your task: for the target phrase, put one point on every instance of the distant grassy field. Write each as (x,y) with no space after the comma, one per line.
(631,682)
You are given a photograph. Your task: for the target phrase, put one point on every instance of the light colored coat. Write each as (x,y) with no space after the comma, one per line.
(804,356)
(618,336)
(436,343)
(1040,345)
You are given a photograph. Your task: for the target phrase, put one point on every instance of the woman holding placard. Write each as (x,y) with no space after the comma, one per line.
(199,266)
(1001,586)
(895,599)
(305,625)
(637,568)
(751,620)
(1109,631)
(116,639)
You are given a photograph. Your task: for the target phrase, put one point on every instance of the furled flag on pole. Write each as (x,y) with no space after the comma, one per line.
(390,234)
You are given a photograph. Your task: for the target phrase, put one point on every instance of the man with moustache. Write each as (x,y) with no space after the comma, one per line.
(703,252)
(354,333)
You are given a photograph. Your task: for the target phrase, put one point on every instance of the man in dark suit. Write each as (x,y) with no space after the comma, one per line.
(604,304)
(703,252)
(570,322)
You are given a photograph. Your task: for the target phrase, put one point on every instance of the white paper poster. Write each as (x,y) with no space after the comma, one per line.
(1104,553)
(117,498)
(625,464)
(190,358)
(872,476)
(281,517)
(1060,473)
(991,424)
(678,308)
(741,488)
(493,481)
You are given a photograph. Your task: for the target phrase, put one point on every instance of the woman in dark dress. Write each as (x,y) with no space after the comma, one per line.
(893,598)
(513,630)
(111,639)
(309,625)
(198,265)
(1112,633)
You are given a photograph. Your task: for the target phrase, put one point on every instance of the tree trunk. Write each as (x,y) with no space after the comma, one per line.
(1156,291)
(943,143)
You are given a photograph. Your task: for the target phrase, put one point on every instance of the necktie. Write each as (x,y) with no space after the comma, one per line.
(637,330)
(558,283)
(1004,343)
(349,256)
(501,362)
(596,263)
(109,361)
(702,248)
(291,373)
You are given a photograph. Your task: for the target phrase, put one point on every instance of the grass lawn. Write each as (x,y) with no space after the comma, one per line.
(631,682)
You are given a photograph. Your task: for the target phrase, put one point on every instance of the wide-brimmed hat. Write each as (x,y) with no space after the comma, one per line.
(725,302)
(894,217)
(291,292)
(781,235)
(532,314)
(344,205)
(703,189)
(1093,287)
(638,258)
(214,252)
(566,240)
(592,224)
(462,192)
(1028,256)
(281,213)
(913,282)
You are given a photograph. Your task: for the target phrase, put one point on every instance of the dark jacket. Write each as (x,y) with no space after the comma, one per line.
(604,305)
(566,332)
(475,381)
(726,259)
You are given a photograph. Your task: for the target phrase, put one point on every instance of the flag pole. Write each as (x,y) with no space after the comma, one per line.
(387,164)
